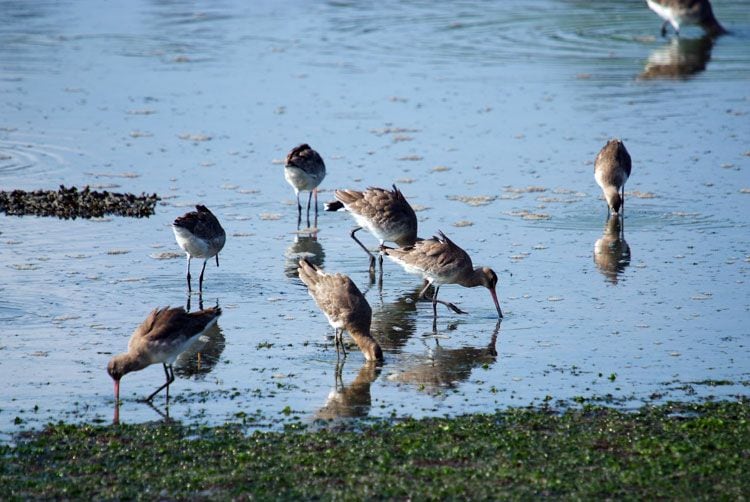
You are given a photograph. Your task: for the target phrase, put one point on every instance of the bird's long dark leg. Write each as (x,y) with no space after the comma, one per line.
(299,211)
(449,305)
(188,273)
(166,384)
(339,379)
(315,190)
(217,260)
(380,262)
(200,279)
(309,198)
(664,28)
(341,342)
(435,301)
(170,378)
(372,257)
(622,202)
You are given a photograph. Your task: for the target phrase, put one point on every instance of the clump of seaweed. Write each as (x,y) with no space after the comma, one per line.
(71,203)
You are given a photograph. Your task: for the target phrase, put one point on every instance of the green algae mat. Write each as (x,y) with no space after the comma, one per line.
(673,451)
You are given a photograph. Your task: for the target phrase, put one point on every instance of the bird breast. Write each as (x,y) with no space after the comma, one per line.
(194,246)
(302,180)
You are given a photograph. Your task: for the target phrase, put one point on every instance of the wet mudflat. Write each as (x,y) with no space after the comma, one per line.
(487,116)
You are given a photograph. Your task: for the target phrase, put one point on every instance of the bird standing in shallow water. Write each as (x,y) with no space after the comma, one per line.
(304,170)
(440,261)
(386,214)
(200,235)
(163,336)
(611,171)
(344,306)
(685,12)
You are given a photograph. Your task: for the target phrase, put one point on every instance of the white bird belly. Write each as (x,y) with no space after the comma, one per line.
(367,224)
(302,181)
(192,245)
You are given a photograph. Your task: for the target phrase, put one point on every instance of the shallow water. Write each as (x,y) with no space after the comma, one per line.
(465,106)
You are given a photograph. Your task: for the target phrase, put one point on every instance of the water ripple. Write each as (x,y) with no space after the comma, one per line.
(31,157)
(608,36)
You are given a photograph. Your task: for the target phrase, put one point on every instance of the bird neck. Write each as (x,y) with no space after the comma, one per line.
(611,191)
(129,361)
(367,344)
(474,279)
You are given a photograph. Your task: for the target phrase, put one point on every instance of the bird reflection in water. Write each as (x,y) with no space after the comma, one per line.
(445,368)
(394,323)
(189,302)
(611,252)
(679,59)
(305,245)
(353,400)
(201,358)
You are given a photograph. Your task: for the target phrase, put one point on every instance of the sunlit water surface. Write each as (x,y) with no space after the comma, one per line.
(488,116)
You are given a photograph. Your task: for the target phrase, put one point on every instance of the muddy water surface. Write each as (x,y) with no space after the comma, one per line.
(488,115)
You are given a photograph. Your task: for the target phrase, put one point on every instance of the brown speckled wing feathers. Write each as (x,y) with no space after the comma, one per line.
(438,256)
(336,295)
(170,323)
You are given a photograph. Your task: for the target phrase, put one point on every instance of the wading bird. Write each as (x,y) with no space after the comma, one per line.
(161,338)
(304,170)
(344,306)
(200,235)
(440,261)
(611,171)
(386,214)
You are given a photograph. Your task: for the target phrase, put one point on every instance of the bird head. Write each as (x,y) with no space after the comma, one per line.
(488,279)
(615,202)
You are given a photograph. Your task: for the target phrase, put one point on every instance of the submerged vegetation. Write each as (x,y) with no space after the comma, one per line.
(675,451)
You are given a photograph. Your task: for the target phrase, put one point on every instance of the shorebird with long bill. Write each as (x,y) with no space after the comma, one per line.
(344,306)
(611,170)
(200,235)
(304,169)
(386,214)
(163,336)
(441,261)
